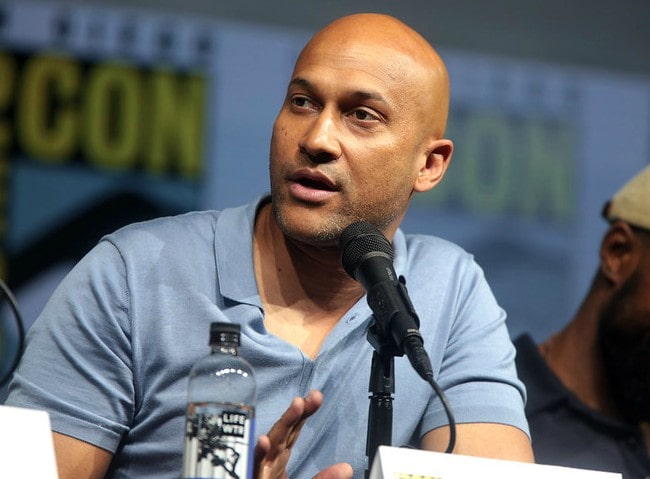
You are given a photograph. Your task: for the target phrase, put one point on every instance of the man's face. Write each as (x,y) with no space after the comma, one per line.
(347,143)
(625,340)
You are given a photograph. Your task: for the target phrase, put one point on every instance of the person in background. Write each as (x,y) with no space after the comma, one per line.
(589,384)
(361,131)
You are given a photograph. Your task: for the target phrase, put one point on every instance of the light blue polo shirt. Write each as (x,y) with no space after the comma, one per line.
(110,355)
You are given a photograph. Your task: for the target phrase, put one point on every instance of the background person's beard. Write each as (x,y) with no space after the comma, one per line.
(624,336)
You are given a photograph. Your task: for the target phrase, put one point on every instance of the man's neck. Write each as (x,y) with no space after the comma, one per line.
(304,289)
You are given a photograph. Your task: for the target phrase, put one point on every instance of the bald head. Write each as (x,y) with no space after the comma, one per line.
(396,50)
(360,129)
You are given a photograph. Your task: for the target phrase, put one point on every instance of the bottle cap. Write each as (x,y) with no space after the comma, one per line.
(224,333)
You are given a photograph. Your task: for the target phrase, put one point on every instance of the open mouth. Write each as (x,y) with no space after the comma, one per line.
(315,184)
(313,180)
(311,186)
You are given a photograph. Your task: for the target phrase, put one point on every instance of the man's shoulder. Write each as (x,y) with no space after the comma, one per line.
(164,229)
(428,253)
(526,347)
(431,245)
(545,390)
(195,223)
(531,366)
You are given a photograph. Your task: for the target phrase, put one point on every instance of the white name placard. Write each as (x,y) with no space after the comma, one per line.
(26,448)
(404,463)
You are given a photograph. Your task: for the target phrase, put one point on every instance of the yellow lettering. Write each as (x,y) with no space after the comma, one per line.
(46,117)
(113,117)
(506,165)
(487,162)
(175,119)
(549,149)
(404,475)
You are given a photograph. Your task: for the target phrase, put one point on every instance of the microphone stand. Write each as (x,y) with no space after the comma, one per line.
(382,388)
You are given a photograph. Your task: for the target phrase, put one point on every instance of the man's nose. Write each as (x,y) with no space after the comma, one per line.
(321,139)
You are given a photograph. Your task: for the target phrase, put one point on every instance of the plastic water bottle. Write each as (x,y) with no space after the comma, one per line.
(220,424)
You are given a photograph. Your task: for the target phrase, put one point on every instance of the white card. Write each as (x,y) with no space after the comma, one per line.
(26,447)
(404,463)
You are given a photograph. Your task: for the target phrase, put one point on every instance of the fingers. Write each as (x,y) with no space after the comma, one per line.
(341,470)
(302,408)
(285,432)
(313,402)
(273,450)
(266,467)
(262,448)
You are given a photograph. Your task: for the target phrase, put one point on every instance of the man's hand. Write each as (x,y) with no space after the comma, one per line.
(274,449)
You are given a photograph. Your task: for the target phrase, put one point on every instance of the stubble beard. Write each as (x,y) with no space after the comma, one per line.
(325,233)
(328,229)
(624,338)
(331,224)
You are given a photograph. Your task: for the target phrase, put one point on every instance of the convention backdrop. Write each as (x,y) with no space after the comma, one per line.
(109,116)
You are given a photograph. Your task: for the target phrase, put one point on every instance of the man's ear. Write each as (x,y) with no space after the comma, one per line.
(435,165)
(620,253)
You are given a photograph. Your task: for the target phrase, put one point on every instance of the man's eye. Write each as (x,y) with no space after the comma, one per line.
(364,115)
(300,101)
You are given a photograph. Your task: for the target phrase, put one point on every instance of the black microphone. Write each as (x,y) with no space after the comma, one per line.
(367,256)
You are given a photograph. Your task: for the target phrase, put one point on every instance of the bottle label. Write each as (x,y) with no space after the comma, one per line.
(218,442)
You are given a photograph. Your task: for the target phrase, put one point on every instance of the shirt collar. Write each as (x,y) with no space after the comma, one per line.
(233,245)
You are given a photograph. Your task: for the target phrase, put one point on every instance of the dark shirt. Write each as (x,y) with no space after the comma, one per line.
(565,432)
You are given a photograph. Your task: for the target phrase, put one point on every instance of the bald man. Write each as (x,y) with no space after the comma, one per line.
(360,131)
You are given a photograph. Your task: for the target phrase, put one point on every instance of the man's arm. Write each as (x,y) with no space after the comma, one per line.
(77,459)
(491,440)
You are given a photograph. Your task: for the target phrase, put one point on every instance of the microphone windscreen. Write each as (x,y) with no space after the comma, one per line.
(357,241)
